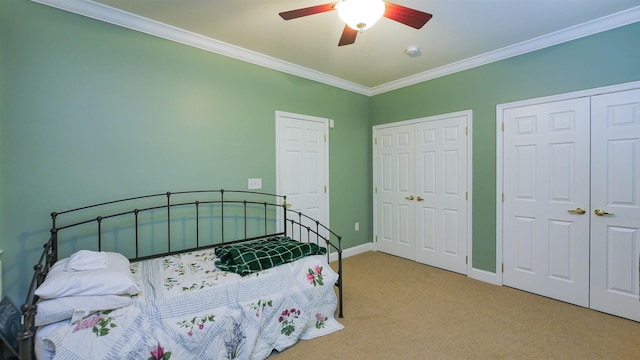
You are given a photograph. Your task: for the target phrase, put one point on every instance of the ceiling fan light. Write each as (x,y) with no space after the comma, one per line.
(360,14)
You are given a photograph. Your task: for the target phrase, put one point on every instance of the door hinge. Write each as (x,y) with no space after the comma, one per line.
(325,138)
(502,267)
(325,189)
(375,141)
(466,130)
(466,260)
(502,197)
(503,127)
(466,196)
(376,238)
(376,189)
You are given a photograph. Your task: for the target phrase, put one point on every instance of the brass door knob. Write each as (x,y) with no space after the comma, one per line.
(601,212)
(578,211)
(410,197)
(420,198)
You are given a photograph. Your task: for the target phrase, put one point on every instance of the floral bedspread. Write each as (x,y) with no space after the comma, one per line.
(191,310)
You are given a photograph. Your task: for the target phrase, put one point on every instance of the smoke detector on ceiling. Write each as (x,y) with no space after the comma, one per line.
(413,51)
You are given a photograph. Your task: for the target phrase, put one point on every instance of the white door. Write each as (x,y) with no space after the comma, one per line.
(302,164)
(615,201)
(441,213)
(421,179)
(394,171)
(546,197)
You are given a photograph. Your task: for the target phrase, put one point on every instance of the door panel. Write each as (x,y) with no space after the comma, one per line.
(442,181)
(615,181)
(302,171)
(421,180)
(546,175)
(395,174)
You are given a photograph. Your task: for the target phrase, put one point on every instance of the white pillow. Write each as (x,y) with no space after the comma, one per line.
(54,310)
(115,279)
(86,260)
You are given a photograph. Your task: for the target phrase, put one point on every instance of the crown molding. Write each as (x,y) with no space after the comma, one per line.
(131,21)
(125,19)
(605,23)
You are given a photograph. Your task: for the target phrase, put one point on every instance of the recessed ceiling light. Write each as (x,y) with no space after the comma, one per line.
(413,51)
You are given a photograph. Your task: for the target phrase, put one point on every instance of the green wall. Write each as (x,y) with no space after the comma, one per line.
(603,59)
(93,112)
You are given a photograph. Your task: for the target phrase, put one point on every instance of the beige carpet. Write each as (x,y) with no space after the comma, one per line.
(400,309)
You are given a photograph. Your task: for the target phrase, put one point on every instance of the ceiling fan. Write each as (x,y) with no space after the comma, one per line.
(360,15)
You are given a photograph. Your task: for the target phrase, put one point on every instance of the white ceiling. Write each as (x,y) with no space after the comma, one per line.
(461,34)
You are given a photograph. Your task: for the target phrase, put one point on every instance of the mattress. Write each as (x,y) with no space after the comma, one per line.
(189,309)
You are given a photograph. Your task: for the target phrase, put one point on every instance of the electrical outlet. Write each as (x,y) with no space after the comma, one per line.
(357,227)
(255,184)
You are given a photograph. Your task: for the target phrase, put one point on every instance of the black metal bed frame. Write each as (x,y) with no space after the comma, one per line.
(312,228)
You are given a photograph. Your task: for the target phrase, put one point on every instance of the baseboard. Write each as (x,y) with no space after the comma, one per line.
(352,251)
(485,276)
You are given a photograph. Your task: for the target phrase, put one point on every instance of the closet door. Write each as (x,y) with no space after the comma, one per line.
(394,168)
(615,201)
(421,184)
(302,167)
(441,193)
(546,199)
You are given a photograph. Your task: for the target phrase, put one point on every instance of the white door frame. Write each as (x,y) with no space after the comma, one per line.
(469,115)
(500,108)
(325,122)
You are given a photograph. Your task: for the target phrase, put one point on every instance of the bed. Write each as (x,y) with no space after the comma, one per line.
(207,274)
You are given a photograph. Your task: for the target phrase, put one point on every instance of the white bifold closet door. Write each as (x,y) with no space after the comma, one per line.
(395,198)
(442,182)
(571,201)
(615,203)
(421,184)
(546,190)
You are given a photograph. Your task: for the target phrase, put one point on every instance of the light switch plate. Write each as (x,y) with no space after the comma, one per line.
(255,184)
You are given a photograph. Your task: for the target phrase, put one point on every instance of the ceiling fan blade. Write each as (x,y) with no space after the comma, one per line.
(348,36)
(311,10)
(410,17)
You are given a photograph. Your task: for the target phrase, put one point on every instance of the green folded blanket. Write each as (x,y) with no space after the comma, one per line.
(253,256)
